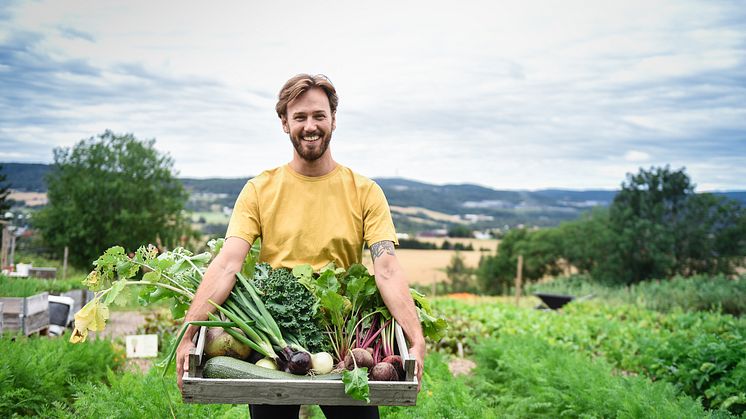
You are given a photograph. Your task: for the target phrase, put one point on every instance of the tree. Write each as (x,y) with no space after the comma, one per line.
(111,190)
(661,227)
(460,276)
(460,231)
(541,254)
(4,192)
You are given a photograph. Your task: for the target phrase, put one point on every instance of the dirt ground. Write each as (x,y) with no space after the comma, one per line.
(121,324)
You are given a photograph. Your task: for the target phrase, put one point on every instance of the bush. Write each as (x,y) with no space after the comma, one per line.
(38,372)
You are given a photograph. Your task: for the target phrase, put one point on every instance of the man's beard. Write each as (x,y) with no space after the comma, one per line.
(316,153)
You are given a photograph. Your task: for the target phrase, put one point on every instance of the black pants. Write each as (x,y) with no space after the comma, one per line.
(263,411)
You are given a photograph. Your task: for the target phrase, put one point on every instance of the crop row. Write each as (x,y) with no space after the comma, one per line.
(702,354)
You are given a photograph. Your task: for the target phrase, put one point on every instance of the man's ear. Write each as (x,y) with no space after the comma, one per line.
(285,126)
(334,121)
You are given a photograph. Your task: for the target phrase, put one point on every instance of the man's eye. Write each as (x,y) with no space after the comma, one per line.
(299,118)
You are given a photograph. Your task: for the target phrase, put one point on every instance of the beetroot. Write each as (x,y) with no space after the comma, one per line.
(395,360)
(384,371)
(362,359)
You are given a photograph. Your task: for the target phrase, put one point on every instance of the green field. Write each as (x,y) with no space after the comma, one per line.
(596,358)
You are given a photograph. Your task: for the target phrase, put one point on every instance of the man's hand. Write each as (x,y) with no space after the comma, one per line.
(182,359)
(418,351)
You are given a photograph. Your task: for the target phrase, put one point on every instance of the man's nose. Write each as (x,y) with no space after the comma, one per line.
(310,125)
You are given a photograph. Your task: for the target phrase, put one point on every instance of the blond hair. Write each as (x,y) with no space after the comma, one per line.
(300,84)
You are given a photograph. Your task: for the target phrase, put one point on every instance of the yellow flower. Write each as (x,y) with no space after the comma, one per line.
(92,317)
(78,335)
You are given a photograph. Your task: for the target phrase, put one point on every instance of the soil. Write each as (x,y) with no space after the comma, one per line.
(461,366)
(121,324)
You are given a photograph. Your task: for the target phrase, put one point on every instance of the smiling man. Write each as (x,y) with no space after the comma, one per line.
(311,210)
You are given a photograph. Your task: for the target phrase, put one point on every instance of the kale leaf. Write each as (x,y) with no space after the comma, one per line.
(292,306)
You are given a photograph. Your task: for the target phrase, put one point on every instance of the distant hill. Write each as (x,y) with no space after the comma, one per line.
(26,177)
(481,206)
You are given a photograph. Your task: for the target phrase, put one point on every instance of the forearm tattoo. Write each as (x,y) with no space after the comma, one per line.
(379,248)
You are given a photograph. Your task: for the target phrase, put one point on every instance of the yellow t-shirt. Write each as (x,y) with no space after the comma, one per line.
(314,220)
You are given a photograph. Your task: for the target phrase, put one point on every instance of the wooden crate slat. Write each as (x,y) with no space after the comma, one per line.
(37,303)
(323,392)
(36,322)
(255,391)
(12,305)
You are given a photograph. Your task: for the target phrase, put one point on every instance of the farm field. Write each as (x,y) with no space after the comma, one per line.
(425,267)
(589,360)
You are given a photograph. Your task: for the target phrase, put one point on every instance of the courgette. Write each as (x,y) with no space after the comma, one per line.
(227,367)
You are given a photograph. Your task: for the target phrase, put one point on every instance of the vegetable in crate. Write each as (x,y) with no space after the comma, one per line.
(292,306)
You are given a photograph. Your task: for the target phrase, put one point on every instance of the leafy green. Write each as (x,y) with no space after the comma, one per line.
(432,327)
(356,384)
(292,306)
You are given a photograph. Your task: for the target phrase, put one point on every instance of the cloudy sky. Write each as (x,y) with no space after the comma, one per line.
(508,94)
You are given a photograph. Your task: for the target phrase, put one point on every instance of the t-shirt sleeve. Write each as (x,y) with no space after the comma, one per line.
(245,222)
(377,222)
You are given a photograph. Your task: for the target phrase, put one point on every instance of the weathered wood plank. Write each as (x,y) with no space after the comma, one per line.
(35,322)
(409,361)
(1,318)
(37,303)
(12,305)
(255,391)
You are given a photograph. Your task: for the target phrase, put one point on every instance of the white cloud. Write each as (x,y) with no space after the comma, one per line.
(511,94)
(636,156)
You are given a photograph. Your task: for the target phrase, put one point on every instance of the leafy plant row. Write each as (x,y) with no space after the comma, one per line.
(696,293)
(702,354)
(39,373)
(26,287)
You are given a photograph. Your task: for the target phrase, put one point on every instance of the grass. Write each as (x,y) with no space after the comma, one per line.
(26,287)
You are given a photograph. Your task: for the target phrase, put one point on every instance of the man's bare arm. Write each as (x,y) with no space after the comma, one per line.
(394,289)
(216,286)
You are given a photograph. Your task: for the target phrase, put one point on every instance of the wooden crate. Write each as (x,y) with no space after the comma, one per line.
(1,318)
(322,392)
(26,314)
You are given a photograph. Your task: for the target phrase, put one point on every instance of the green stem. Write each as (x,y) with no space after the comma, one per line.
(184,292)
(173,281)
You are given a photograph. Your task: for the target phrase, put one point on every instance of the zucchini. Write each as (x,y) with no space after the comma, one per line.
(227,367)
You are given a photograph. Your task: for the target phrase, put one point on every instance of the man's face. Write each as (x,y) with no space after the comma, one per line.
(310,122)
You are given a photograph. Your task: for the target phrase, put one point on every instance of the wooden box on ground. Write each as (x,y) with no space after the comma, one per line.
(322,392)
(26,314)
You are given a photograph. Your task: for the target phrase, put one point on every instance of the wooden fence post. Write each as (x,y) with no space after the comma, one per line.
(64,264)
(519,280)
